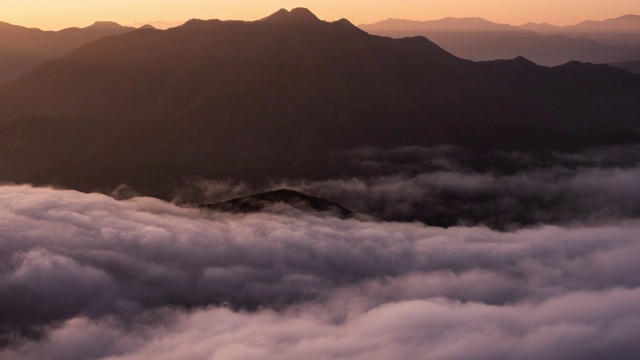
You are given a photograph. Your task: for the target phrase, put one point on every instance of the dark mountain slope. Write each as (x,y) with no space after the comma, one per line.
(22,49)
(279,96)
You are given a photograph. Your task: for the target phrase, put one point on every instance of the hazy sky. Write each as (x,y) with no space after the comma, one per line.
(56,14)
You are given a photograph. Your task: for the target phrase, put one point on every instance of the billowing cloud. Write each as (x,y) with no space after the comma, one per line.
(88,276)
(557,196)
(583,325)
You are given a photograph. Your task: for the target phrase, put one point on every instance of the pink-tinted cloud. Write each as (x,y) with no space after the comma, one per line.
(151,279)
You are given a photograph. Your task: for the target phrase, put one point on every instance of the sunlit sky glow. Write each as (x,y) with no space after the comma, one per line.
(56,14)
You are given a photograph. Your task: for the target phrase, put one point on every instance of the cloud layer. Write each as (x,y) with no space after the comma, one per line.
(87,276)
(447,186)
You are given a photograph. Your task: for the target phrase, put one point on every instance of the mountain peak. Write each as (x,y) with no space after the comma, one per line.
(303,13)
(346,22)
(524,63)
(104,25)
(299,15)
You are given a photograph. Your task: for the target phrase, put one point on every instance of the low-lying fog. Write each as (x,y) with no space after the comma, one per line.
(554,275)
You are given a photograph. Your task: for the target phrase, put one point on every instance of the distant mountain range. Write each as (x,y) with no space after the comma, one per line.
(279,97)
(617,31)
(22,49)
(632,66)
(608,41)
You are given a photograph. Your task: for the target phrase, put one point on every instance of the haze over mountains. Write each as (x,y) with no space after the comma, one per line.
(631,66)
(617,31)
(21,48)
(608,41)
(277,97)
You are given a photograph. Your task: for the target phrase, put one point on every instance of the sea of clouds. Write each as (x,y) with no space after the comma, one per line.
(86,276)
(449,186)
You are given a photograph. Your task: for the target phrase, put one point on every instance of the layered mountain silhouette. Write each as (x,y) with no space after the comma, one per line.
(631,66)
(284,97)
(617,31)
(478,39)
(291,198)
(22,49)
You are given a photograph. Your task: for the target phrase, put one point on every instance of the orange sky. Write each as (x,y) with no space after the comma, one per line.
(56,14)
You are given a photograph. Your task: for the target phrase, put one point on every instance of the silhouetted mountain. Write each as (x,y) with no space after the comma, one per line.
(449,24)
(540,28)
(632,66)
(295,199)
(158,24)
(617,31)
(478,39)
(623,24)
(282,97)
(21,49)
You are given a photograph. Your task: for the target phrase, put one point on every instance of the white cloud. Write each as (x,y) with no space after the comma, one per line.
(151,279)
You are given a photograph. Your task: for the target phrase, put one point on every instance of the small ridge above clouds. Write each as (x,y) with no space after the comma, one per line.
(294,199)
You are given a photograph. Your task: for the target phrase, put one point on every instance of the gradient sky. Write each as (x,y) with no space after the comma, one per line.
(56,14)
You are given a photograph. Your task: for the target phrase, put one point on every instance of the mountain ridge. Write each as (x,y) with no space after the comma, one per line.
(444,24)
(253,100)
(22,48)
(631,66)
(618,24)
(479,40)
(615,31)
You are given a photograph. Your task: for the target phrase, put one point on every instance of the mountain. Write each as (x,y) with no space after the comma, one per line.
(540,28)
(22,49)
(449,24)
(158,24)
(291,198)
(617,31)
(478,39)
(631,66)
(285,96)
